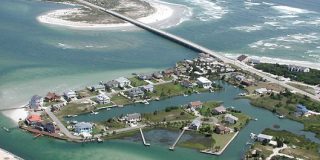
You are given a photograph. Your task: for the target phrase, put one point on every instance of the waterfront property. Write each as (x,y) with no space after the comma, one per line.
(220,129)
(70,95)
(219,110)
(36,102)
(263,137)
(135,92)
(195,124)
(133,118)
(204,82)
(103,99)
(230,119)
(294,68)
(33,119)
(52,97)
(301,109)
(98,88)
(122,82)
(83,127)
(148,88)
(195,105)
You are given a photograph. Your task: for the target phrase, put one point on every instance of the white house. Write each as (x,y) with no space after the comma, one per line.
(230,119)
(99,87)
(70,94)
(263,137)
(195,125)
(294,68)
(148,88)
(83,127)
(122,82)
(36,102)
(204,82)
(261,91)
(103,99)
(133,118)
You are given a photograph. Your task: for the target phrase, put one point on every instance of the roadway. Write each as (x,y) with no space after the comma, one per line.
(197,47)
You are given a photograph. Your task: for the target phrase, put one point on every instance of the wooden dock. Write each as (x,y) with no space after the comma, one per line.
(177,140)
(143,139)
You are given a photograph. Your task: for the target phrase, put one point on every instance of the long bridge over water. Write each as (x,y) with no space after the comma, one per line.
(197,48)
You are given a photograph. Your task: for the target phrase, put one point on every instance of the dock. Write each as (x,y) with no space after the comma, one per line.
(209,151)
(143,139)
(177,140)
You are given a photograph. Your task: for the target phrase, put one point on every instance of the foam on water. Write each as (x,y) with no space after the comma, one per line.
(247,28)
(290,10)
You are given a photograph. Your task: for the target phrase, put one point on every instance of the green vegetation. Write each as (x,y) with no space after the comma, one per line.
(169,89)
(303,87)
(221,140)
(312,77)
(135,82)
(111,123)
(120,100)
(198,141)
(207,108)
(74,108)
(167,115)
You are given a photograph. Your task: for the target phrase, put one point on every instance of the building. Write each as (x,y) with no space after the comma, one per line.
(147,88)
(261,91)
(52,97)
(186,83)
(99,87)
(157,75)
(301,109)
(123,82)
(135,92)
(103,99)
(240,77)
(195,105)
(145,76)
(253,61)
(33,119)
(204,82)
(243,58)
(230,119)
(219,110)
(36,102)
(195,125)
(294,68)
(83,127)
(112,84)
(69,95)
(220,129)
(133,118)
(264,137)
(50,127)
(168,72)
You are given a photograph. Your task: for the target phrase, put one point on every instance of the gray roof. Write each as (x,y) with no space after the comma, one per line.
(122,80)
(83,125)
(133,116)
(220,109)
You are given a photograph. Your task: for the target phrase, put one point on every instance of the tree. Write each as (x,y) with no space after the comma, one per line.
(217,148)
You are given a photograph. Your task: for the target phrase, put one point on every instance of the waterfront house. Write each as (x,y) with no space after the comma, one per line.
(123,82)
(157,75)
(294,68)
(168,72)
(147,88)
(301,109)
(247,82)
(219,110)
(50,127)
(204,82)
(230,119)
(133,118)
(52,97)
(240,77)
(83,127)
(195,105)
(103,99)
(243,58)
(145,76)
(220,129)
(135,92)
(195,125)
(36,102)
(70,95)
(264,137)
(186,83)
(33,119)
(261,91)
(99,87)
(111,84)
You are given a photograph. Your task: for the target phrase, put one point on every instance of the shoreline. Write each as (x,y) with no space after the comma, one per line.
(166,15)
(16,114)
(7,155)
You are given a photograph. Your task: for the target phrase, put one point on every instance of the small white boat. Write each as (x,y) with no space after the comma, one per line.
(255,119)
(99,140)
(92,112)
(6,129)
(211,91)
(185,95)
(145,102)
(108,109)
(248,143)
(281,116)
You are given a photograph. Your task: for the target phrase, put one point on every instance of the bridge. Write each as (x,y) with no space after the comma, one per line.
(197,48)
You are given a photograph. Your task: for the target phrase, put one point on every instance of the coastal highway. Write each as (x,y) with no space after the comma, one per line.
(197,47)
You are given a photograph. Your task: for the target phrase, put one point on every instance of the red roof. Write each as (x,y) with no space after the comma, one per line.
(34,118)
(196,104)
(52,96)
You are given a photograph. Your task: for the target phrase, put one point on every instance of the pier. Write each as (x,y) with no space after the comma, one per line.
(143,139)
(177,140)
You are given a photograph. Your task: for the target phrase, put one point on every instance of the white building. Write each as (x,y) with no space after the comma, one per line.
(70,95)
(261,91)
(294,68)
(122,82)
(36,102)
(230,119)
(133,118)
(204,82)
(263,137)
(103,99)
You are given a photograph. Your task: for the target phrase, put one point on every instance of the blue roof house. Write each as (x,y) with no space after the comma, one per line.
(83,127)
(301,109)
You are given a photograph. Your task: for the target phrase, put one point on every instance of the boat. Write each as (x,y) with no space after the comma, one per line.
(211,91)
(280,116)
(248,143)
(108,109)
(6,129)
(255,119)
(185,95)
(99,140)
(145,102)
(92,112)
(252,135)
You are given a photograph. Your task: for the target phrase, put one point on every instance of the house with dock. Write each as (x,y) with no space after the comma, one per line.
(264,137)
(204,82)
(70,95)
(33,119)
(301,109)
(83,127)
(219,110)
(103,99)
(36,102)
(231,119)
(132,118)
(220,129)
(195,125)
(135,92)
(195,105)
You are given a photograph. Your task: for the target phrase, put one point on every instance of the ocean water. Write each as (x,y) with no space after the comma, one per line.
(37,58)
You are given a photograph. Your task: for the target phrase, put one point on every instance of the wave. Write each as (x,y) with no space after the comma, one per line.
(248,28)
(290,10)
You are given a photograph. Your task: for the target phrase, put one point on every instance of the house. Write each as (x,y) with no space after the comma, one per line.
(135,92)
(253,61)
(301,109)
(147,88)
(264,137)
(219,110)
(133,118)
(220,129)
(186,83)
(246,82)
(294,68)
(50,127)
(195,104)
(157,75)
(195,125)
(36,102)
(145,76)
(103,99)
(112,84)
(99,87)
(168,72)
(123,82)
(83,127)
(52,97)
(243,58)
(230,119)
(33,119)
(204,82)
(240,77)
(261,91)
(69,95)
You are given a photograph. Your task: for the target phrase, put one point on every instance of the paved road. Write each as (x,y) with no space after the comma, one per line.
(196,47)
(63,129)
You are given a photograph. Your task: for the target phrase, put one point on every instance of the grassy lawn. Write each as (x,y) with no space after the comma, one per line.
(243,120)
(73,108)
(175,114)
(169,89)
(112,124)
(135,82)
(207,108)
(303,87)
(198,141)
(86,93)
(221,139)
(167,78)
(120,100)
(258,85)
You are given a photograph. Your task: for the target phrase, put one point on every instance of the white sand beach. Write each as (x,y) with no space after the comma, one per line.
(16,114)
(5,155)
(166,15)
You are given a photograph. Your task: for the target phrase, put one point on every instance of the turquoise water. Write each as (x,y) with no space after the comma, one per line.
(36,58)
